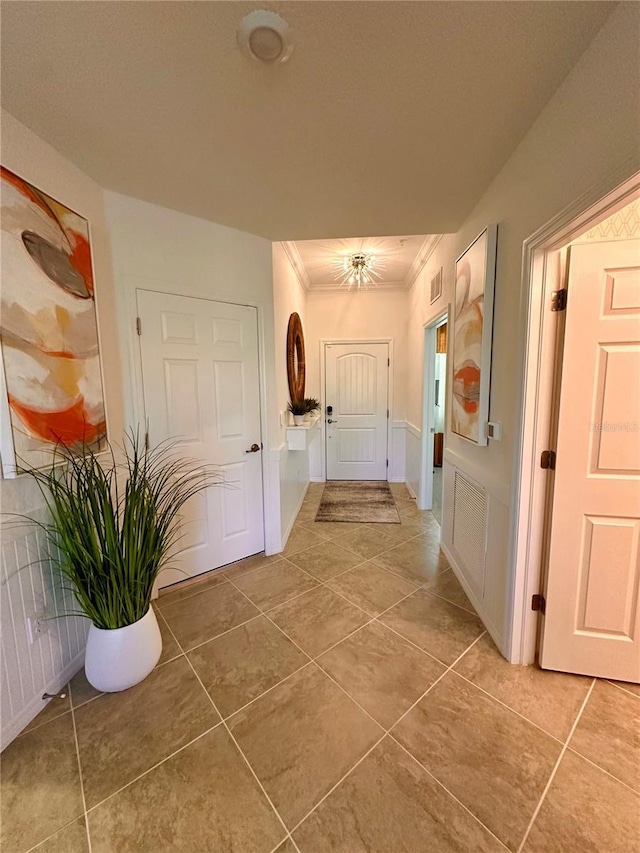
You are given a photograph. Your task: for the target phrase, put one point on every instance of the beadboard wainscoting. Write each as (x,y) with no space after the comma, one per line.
(413,456)
(473,504)
(33,663)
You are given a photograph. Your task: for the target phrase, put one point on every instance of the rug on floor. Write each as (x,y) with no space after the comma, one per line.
(364,501)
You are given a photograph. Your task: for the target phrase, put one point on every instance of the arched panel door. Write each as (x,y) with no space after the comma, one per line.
(357,390)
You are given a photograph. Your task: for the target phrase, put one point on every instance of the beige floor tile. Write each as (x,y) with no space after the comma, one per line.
(585,810)
(244,662)
(307,513)
(205,616)
(121,735)
(188,588)
(446,585)
(286,847)
(413,512)
(170,649)
(318,619)
(400,532)
(437,626)
(608,733)
(50,710)
(80,689)
(551,700)
(372,588)
(418,560)
(202,799)
(389,804)
(493,761)
(326,560)
(367,542)
(275,584)
(628,686)
(331,529)
(382,672)
(300,539)
(71,839)
(301,738)
(241,567)
(40,785)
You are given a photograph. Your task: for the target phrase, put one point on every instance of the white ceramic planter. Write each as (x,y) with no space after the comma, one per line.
(298,420)
(306,418)
(121,657)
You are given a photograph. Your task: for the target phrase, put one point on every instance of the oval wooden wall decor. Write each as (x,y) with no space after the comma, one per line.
(296,370)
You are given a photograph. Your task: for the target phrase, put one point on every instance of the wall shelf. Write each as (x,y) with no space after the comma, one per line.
(298,437)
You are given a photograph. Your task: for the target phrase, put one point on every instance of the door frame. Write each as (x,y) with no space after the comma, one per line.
(324,343)
(538,413)
(425,486)
(135,409)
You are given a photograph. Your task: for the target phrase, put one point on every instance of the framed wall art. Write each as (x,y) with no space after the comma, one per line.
(472,335)
(50,373)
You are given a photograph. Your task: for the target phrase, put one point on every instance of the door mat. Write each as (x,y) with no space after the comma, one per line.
(364,501)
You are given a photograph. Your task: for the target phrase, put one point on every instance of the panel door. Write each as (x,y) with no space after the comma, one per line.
(357,389)
(201,389)
(592,621)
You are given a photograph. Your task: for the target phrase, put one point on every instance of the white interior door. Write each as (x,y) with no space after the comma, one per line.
(592,621)
(201,388)
(357,390)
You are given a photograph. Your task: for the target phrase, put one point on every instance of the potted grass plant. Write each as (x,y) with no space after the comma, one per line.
(298,410)
(113,526)
(311,405)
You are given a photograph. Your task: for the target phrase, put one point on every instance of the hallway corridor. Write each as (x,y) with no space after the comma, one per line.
(341,696)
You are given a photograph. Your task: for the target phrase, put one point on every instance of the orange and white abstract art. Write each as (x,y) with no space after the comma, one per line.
(473,322)
(50,354)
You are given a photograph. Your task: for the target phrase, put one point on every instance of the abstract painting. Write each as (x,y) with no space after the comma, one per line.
(49,338)
(472,328)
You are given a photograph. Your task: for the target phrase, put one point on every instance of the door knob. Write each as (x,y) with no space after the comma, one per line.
(253,449)
(329,421)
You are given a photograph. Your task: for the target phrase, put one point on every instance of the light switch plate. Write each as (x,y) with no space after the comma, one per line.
(494,430)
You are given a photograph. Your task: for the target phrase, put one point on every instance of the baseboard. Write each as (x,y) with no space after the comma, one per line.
(395,480)
(410,490)
(317,480)
(30,711)
(496,635)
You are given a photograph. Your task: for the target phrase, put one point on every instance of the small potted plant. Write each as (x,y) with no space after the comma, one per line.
(298,410)
(113,526)
(311,405)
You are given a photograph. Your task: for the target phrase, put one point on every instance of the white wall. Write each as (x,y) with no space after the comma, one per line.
(292,465)
(590,129)
(368,315)
(28,670)
(159,249)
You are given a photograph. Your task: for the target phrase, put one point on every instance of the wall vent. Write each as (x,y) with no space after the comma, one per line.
(470,528)
(436,286)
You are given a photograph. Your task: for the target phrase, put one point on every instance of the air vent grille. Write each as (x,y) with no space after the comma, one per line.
(470,527)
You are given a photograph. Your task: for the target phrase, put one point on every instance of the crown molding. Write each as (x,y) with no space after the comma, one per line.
(427,249)
(336,287)
(293,256)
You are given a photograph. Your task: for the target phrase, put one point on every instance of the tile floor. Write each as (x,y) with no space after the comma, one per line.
(342,696)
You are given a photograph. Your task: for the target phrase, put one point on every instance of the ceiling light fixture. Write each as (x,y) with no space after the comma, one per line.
(359,269)
(265,37)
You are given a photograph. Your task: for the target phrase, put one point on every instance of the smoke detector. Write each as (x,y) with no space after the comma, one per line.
(265,37)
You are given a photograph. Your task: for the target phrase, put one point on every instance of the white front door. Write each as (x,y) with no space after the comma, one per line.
(201,389)
(356,405)
(592,621)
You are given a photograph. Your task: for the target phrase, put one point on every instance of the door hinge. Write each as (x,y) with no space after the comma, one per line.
(138,325)
(548,459)
(387,463)
(388,362)
(387,413)
(538,603)
(559,300)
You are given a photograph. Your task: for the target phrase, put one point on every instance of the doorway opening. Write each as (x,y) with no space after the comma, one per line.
(434,415)
(577,591)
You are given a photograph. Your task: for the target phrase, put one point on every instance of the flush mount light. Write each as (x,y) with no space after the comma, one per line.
(265,37)
(359,270)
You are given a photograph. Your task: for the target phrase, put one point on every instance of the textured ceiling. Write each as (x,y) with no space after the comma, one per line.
(398,260)
(390,118)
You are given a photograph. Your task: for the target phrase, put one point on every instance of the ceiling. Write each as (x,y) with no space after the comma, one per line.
(398,260)
(390,117)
